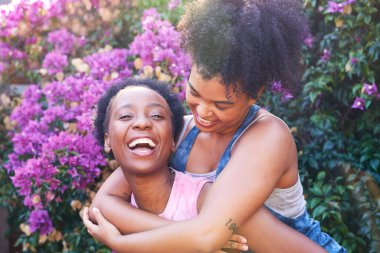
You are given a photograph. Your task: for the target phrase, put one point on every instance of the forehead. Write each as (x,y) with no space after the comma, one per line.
(138,96)
(213,88)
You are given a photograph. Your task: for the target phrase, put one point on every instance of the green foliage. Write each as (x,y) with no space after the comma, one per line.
(332,136)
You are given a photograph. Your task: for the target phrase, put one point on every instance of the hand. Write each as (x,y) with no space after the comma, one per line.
(104,231)
(237,243)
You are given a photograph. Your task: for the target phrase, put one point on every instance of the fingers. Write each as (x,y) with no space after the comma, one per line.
(86,221)
(236,245)
(238,238)
(237,242)
(85,214)
(98,215)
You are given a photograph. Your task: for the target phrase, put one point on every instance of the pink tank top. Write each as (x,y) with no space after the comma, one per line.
(182,204)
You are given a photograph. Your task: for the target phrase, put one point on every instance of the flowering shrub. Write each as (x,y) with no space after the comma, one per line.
(159,53)
(55,161)
(335,120)
(32,28)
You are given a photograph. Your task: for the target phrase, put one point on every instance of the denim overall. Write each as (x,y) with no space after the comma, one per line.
(303,223)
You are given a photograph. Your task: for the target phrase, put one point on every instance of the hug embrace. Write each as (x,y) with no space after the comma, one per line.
(224,178)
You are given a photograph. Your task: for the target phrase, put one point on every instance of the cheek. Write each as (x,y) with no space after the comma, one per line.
(117,133)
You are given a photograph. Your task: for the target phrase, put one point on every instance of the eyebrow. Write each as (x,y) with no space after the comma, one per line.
(215,101)
(150,105)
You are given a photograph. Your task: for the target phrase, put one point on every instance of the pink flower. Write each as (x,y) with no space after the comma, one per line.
(276,87)
(334,7)
(40,220)
(353,60)
(326,55)
(55,62)
(309,41)
(173,4)
(370,89)
(358,103)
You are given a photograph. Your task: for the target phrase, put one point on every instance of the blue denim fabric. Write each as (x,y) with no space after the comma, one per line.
(304,224)
(312,229)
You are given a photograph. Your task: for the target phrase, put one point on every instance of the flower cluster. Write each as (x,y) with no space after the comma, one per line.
(64,41)
(286,95)
(108,64)
(25,23)
(158,52)
(51,154)
(54,153)
(368,92)
(341,7)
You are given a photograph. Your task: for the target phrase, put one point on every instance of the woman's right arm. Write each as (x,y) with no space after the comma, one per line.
(112,200)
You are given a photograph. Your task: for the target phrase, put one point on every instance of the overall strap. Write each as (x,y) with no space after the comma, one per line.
(179,158)
(246,123)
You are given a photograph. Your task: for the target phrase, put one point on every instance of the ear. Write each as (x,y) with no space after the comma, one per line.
(107,147)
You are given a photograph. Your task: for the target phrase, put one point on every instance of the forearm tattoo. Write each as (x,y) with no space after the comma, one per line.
(231,226)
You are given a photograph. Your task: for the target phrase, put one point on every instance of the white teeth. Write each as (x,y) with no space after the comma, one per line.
(142,141)
(204,120)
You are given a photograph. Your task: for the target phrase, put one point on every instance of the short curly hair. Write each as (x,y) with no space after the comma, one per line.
(102,117)
(247,42)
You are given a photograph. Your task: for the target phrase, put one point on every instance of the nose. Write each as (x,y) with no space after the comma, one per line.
(142,123)
(204,111)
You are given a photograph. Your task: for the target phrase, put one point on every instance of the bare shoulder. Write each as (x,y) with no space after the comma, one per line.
(268,127)
(269,143)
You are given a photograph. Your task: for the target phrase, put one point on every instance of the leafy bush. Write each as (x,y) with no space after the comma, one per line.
(335,120)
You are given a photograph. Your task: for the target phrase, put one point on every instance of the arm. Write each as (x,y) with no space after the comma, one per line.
(111,199)
(258,163)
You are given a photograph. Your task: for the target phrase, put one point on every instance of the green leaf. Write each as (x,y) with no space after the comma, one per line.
(328,145)
(318,211)
(375,164)
(314,202)
(321,175)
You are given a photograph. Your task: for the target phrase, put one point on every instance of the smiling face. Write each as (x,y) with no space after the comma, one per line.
(140,130)
(213,111)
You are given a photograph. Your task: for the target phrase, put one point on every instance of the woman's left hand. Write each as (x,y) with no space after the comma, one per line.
(104,231)
(237,243)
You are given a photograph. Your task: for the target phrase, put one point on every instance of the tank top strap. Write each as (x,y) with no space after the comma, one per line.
(179,158)
(246,124)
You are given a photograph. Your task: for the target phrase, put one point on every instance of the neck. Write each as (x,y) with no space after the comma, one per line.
(151,191)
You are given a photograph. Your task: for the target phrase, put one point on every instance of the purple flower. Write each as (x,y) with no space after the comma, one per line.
(358,103)
(326,55)
(64,41)
(309,41)
(173,4)
(160,45)
(103,64)
(3,67)
(31,41)
(334,7)
(370,89)
(353,60)
(276,87)
(40,220)
(286,96)
(55,62)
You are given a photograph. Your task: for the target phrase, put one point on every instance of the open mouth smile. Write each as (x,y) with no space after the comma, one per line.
(142,146)
(205,122)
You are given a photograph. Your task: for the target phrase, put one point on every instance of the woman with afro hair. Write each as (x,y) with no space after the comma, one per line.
(238,48)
